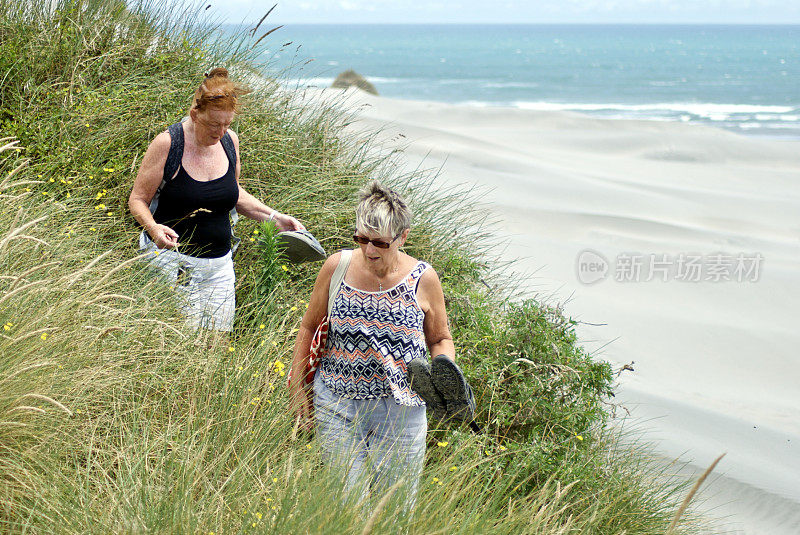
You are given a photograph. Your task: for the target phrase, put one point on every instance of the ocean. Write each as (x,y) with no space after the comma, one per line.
(740,78)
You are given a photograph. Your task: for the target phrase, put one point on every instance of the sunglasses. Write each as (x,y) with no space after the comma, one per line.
(380,244)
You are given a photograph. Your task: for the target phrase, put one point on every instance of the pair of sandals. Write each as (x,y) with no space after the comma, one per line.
(443,388)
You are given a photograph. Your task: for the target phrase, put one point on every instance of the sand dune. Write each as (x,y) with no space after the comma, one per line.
(716,364)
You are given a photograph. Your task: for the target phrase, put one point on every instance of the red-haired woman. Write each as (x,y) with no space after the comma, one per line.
(187,186)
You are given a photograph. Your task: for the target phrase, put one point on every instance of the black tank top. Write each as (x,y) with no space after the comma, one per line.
(199,211)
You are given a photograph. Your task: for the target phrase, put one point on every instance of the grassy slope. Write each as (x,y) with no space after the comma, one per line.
(113,417)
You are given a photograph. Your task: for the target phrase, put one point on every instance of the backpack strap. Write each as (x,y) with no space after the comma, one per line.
(230,152)
(230,149)
(175,151)
(173,162)
(338,276)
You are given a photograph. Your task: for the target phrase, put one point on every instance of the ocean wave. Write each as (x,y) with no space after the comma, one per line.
(381,80)
(698,109)
(504,85)
(777,117)
(737,119)
(314,81)
(327,81)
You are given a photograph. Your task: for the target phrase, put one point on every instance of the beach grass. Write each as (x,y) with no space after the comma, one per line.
(117,418)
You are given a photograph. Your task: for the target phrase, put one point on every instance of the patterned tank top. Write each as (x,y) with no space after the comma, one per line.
(372,336)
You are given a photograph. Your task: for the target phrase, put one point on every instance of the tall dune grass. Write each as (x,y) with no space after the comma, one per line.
(116,418)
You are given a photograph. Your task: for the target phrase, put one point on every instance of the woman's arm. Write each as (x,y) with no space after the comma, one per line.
(251,207)
(437,332)
(316,312)
(151,173)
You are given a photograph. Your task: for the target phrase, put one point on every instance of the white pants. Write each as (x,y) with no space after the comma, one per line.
(204,286)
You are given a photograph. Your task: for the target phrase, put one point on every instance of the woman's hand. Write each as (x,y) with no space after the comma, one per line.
(302,408)
(287,222)
(163,236)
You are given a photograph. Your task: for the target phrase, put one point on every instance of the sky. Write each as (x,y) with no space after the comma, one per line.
(509,11)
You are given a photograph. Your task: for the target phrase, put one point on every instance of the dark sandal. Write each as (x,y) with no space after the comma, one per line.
(451,384)
(419,378)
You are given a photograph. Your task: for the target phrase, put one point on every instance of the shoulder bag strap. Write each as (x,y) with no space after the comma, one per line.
(338,276)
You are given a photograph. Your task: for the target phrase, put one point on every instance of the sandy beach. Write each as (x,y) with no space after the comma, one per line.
(582,202)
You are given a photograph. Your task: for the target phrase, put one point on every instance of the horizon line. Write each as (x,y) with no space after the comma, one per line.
(450,23)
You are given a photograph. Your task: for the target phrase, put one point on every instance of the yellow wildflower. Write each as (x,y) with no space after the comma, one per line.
(283,267)
(261,326)
(231,349)
(442,444)
(43,336)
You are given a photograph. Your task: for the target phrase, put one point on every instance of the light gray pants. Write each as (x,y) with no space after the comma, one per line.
(374,441)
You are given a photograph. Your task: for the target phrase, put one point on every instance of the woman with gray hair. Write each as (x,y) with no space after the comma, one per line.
(387,311)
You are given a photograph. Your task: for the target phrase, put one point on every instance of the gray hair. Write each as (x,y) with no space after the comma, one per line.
(382,210)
